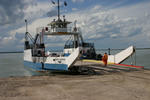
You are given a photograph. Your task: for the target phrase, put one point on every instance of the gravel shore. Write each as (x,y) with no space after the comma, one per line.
(132,85)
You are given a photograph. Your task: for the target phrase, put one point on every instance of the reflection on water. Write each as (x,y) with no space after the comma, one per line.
(12,64)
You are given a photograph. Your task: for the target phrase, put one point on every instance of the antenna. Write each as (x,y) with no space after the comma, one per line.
(58,10)
(26,38)
(75,23)
(58,5)
(26,25)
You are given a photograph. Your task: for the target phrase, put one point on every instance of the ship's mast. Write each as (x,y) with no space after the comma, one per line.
(58,7)
(26,38)
(58,11)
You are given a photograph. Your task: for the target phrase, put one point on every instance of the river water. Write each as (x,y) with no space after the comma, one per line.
(11,64)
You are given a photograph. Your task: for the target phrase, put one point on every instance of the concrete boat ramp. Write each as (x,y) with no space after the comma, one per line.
(96,67)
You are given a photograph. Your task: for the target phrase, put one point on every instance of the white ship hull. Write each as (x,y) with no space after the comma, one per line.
(49,62)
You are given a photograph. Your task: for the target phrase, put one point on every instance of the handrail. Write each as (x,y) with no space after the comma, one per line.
(49,30)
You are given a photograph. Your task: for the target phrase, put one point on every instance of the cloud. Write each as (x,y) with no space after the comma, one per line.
(99,23)
(52,13)
(40,9)
(137,10)
(74,1)
(12,11)
(105,27)
(12,17)
(74,9)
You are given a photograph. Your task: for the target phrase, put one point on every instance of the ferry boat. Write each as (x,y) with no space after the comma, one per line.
(39,58)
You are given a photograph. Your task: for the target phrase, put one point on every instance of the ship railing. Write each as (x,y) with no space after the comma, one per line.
(51,30)
(56,54)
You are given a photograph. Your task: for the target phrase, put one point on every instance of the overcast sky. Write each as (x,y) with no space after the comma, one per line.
(107,23)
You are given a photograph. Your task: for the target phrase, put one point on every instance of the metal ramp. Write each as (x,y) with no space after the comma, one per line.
(99,69)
